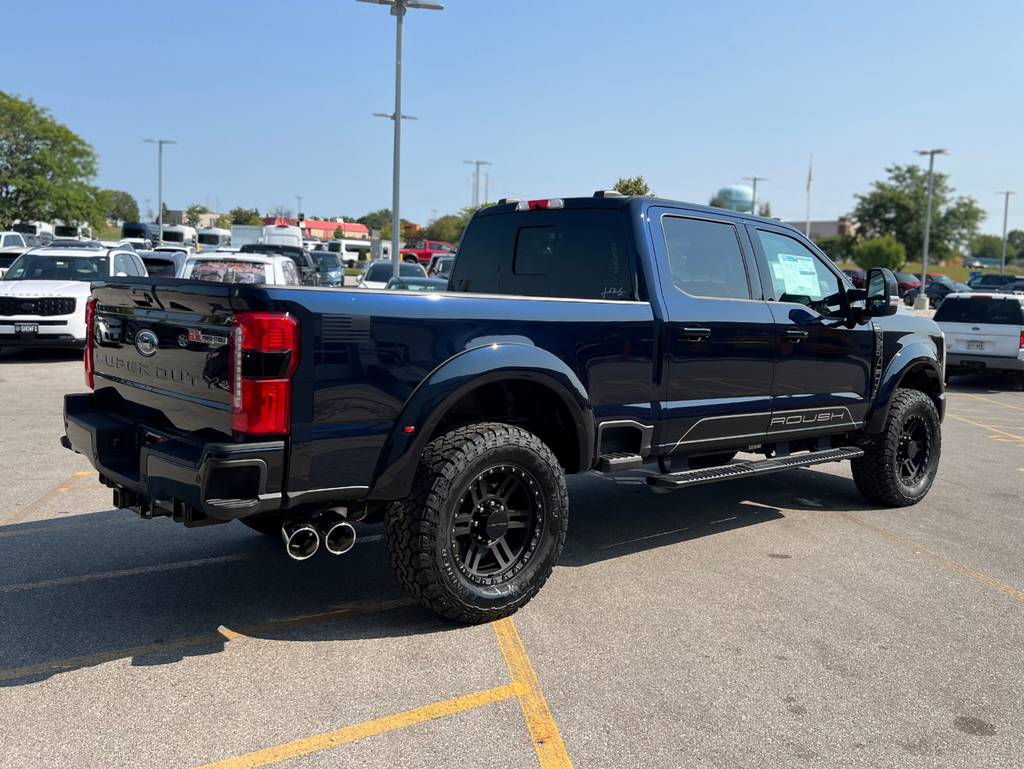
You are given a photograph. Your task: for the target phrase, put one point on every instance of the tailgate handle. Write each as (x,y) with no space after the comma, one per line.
(694,334)
(794,335)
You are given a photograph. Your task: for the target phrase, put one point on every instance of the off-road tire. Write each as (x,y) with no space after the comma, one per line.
(416,535)
(268,525)
(877,473)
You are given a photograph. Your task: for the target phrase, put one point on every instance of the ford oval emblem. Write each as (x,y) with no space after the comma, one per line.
(147,343)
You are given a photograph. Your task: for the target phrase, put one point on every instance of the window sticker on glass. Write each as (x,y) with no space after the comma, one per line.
(799,275)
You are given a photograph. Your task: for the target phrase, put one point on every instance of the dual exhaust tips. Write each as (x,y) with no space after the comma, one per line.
(303,536)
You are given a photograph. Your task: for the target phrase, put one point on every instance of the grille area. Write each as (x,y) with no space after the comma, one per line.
(16,305)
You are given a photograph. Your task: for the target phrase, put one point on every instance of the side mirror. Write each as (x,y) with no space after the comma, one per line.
(883,293)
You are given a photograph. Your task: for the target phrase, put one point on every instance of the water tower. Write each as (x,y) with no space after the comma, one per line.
(736,197)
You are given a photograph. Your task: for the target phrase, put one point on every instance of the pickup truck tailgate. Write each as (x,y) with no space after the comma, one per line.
(982,340)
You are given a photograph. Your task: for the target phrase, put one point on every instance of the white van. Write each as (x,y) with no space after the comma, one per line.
(41,230)
(63,231)
(179,234)
(348,250)
(282,235)
(212,238)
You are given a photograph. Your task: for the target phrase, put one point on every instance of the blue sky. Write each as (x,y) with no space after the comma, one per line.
(270,100)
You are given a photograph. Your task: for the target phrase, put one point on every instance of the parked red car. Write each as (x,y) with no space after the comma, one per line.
(423,250)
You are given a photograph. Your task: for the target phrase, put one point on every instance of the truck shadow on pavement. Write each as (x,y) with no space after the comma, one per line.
(84,590)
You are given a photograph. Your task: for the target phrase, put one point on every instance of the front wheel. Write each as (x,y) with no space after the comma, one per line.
(899,465)
(483,527)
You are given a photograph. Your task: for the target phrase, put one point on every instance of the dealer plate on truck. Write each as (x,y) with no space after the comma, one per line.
(21,328)
(975,345)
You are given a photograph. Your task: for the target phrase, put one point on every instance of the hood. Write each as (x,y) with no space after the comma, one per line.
(44,288)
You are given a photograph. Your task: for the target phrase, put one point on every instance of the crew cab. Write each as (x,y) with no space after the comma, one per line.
(599,334)
(423,250)
(44,292)
(984,332)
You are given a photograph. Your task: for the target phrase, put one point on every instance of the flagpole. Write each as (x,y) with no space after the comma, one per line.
(810,177)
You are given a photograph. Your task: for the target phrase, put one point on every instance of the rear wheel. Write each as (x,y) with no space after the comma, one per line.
(899,465)
(484,525)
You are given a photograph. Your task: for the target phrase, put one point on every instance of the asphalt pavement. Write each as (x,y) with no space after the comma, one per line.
(780,621)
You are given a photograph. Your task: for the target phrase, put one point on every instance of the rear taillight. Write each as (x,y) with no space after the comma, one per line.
(264,355)
(539,205)
(1022,340)
(90,341)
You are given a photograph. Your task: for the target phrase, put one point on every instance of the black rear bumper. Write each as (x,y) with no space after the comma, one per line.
(155,473)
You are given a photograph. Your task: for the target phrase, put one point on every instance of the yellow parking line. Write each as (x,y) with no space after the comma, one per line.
(989,400)
(338,737)
(977,576)
(44,499)
(988,427)
(222,636)
(546,739)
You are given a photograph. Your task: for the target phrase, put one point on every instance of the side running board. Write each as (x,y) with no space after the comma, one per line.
(747,469)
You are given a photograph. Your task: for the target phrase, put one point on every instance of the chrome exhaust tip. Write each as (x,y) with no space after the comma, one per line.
(301,539)
(339,535)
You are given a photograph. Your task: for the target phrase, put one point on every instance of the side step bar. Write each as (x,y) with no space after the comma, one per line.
(619,461)
(747,469)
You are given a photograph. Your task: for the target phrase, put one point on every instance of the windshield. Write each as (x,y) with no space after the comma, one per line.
(223,271)
(6,260)
(444,265)
(134,232)
(382,272)
(159,267)
(65,232)
(327,262)
(174,237)
(1005,312)
(442,247)
(944,279)
(29,267)
(209,240)
(906,277)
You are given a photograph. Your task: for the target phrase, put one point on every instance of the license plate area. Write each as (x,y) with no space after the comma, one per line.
(973,345)
(26,328)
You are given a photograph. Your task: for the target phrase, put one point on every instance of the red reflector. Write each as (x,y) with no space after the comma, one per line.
(90,360)
(539,205)
(262,406)
(980,296)
(410,429)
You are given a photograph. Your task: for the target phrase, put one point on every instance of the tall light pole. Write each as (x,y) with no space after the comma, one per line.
(1006,217)
(398,8)
(160,184)
(476,178)
(921,303)
(754,179)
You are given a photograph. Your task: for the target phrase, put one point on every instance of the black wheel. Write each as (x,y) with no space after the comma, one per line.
(484,525)
(270,525)
(899,466)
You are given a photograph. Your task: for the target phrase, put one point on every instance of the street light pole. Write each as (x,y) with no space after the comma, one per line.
(921,302)
(398,8)
(1006,217)
(476,178)
(754,179)
(160,184)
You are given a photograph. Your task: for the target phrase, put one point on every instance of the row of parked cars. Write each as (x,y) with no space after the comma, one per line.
(44,290)
(938,286)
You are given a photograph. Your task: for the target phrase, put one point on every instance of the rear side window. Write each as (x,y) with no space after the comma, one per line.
(159,267)
(705,258)
(997,312)
(574,254)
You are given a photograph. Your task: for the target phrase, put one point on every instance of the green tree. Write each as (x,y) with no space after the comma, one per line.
(223,222)
(45,168)
(245,216)
(885,251)
(375,220)
(897,207)
(194,213)
(449,228)
(838,248)
(1015,238)
(991,247)
(120,206)
(634,185)
(765,210)
(339,233)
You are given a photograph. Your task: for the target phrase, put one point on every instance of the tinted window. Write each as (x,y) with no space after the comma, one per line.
(1005,312)
(206,239)
(799,276)
(705,258)
(381,272)
(62,231)
(160,267)
(577,254)
(174,237)
(137,264)
(327,262)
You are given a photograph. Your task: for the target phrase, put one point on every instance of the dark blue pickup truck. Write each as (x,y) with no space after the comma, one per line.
(589,334)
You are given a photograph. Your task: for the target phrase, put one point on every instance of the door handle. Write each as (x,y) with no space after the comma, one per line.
(794,335)
(694,334)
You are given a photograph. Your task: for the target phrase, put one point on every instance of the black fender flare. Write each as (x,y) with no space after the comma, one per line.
(910,358)
(456,377)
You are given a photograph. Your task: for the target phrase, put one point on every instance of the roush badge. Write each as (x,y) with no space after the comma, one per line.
(195,335)
(147,343)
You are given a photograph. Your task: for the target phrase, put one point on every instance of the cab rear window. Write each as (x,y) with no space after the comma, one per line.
(573,254)
(998,312)
(219,271)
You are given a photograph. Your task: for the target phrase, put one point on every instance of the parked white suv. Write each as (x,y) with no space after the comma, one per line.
(984,332)
(43,294)
(221,267)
